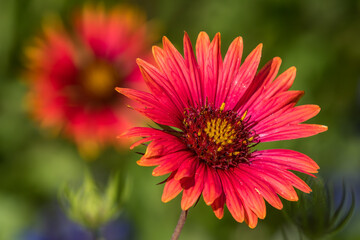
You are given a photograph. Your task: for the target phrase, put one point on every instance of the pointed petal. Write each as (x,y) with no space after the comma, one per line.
(278,103)
(172,189)
(282,83)
(291,116)
(176,70)
(251,219)
(194,74)
(164,64)
(171,162)
(187,168)
(151,108)
(158,148)
(250,198)
(231,66)
(265,76)
(192,194)
(287,159)
(218,206)
(244,77)
(157,81)
(213,68)
(262,188)
(233,201)
(292,132)
(212,186)
(278,183)
(202,47)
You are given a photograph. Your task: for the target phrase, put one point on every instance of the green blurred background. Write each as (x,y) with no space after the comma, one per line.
(320,37)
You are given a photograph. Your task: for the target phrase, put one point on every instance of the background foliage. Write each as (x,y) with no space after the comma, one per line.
(321,38)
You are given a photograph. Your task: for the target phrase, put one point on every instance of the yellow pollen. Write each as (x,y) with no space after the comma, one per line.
(243,116)
(220,131)
(222,107)
(250,139)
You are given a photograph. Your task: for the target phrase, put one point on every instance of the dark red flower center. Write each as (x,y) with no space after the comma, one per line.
(221,139)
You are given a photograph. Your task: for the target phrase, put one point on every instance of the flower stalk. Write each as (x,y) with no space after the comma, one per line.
(179,225)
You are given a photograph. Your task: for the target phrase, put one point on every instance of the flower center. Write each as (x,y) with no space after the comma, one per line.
(221,139)
(98,80)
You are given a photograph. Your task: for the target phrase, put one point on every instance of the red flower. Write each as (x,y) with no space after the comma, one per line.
(218,111)
(73,74)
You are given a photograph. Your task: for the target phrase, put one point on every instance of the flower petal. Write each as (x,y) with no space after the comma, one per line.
(287,159)
(213,68)
(212,186)
(171,162)
(244,77)
(231,66)
(265,76)
(262,188)
(279,184)
(171,189)
(195,82)
(251,198)
(233,201)
(192,194)
(187,168)
(202,48)
(218,206)
(292,132)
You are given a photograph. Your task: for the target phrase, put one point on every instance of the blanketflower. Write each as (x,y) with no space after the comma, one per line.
(73,73)
(212,113)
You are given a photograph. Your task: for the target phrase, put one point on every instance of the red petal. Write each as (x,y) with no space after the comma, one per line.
(266,75)
(231,66)
(171,162)
(244,77)
(278,183)
(233,201)
(212,186)
(287,159)
(176,70)
(262,188)
(155,77)
(292,132)
(163,62)
(151,107)
(292,116)
(251,219)
(187,168)
(158,148)
(218,206)
(192,194)
(190,60)
(213,68)
(172,189)
(278,103)
(202,47)
(282,83)
(250,198)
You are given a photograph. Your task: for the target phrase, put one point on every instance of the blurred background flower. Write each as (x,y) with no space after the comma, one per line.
(72,73)
(318,37)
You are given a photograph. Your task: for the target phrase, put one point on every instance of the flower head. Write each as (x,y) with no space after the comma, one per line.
(73,73)
(213,113)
